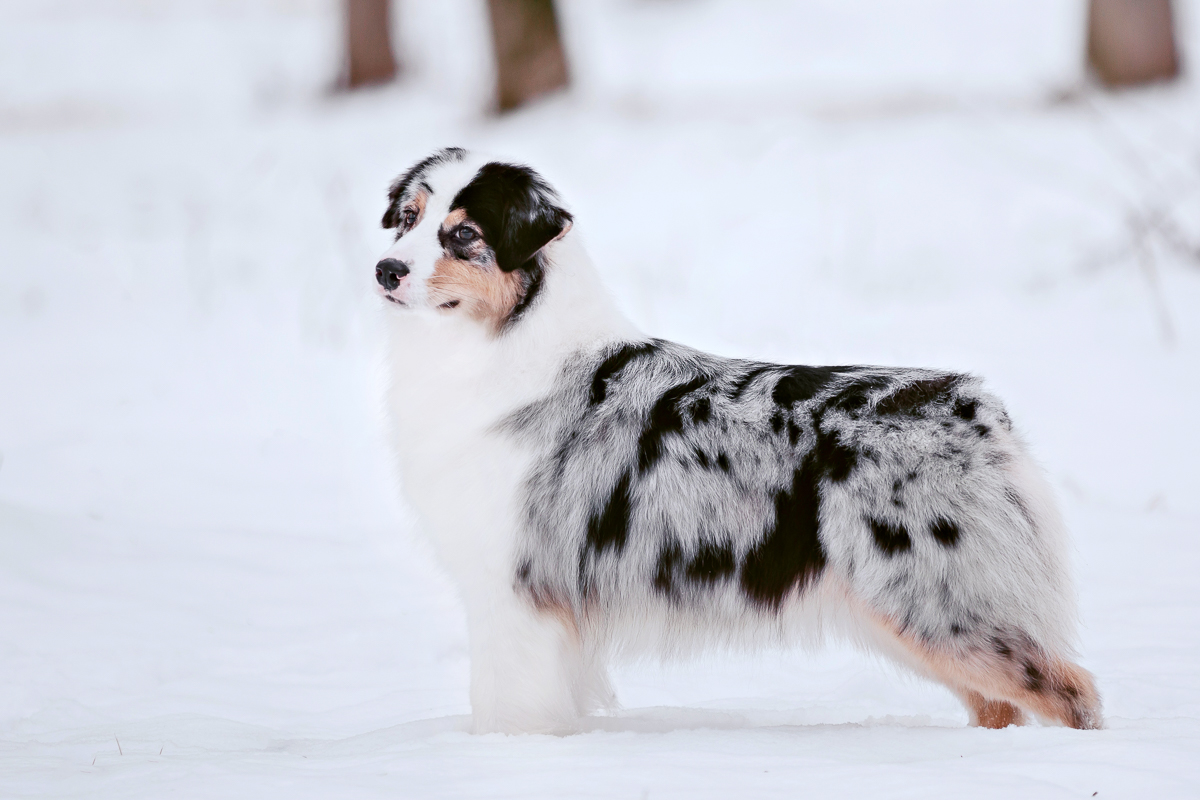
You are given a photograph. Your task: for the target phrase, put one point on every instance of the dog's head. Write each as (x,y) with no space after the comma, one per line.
(469,237)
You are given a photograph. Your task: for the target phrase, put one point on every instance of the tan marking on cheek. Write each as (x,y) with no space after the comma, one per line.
(483,290)
(486,293)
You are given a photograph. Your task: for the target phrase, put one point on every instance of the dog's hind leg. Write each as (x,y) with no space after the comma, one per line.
(1001,677)
(990,713)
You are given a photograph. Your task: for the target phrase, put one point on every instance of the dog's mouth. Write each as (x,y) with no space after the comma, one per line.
(448,305)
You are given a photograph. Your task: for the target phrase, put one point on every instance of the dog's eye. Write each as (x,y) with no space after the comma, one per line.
(465,234)
(410,216)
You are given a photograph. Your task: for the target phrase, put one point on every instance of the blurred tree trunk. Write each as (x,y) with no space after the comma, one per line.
(1132,41)
(368,43)
(530,60)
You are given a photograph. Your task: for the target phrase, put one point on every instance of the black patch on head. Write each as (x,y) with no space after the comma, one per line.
(891,539)
(802,383)
(516,210)
(790,553)
(400,186)
(665,418)
(776,422)
(983,430)
(701,411)
(945,531)
(610,528)
(965,409)
(614,364)
(723,462)
(910,399)
(711,563)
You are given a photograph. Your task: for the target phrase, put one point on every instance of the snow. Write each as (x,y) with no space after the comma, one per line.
(209,585)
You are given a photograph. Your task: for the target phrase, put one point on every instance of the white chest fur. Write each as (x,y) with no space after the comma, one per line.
(452,383)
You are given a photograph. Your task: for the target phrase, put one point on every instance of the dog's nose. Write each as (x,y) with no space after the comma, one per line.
(389,272)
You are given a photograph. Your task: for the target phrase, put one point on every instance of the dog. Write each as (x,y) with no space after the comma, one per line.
(599,494)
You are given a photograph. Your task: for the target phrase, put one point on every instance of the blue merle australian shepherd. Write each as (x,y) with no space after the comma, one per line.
(597,494)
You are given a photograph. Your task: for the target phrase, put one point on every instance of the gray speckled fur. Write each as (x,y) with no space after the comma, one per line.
(901,449)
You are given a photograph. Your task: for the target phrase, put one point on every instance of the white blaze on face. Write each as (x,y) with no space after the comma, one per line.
(419,248)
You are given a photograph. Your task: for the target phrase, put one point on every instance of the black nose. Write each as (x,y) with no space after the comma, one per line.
(389,272)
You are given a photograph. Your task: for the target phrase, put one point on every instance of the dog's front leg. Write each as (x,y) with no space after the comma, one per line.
(526,666)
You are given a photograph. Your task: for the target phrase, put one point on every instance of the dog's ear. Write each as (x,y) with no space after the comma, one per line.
(391,216)
(517,210)
(400,186)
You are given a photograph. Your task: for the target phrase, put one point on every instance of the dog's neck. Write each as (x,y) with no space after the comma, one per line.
(477,374)
(573,310)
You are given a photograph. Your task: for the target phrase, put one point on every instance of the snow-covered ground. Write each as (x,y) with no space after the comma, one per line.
(209,587)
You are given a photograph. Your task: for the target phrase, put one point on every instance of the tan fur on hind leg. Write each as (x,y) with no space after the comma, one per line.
(1007,673)
(992,713)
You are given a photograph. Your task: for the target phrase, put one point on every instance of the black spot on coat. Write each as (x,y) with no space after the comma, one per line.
(712,562)
(1002,648)
(834,460)
(852,397)
(741,384)
(665,419)
(1035,681)
(910,399)
(613,364)
(664,572)
(801,383)
(965,409)
(793,432)
(945,532)
(891,539)
(610,528)
(790,555)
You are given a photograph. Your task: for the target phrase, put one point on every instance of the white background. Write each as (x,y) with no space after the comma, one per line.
(209,585)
